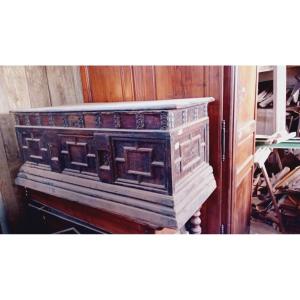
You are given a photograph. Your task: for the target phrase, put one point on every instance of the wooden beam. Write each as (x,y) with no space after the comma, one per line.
(279,107)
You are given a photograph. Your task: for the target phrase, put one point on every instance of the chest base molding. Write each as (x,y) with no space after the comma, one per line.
(146,207)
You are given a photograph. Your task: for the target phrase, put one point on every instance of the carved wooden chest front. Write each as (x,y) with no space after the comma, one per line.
(147,161)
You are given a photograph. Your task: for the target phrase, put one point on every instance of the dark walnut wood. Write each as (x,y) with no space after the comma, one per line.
(147,161)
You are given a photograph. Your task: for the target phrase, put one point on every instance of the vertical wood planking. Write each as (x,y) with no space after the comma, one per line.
(7,131)
(37,83)
(144,82)
(11,203)
(168,82)
(86,87)
(13,88)
(64,85)
(108,83)
(127,83)
(179,81)
(25,87)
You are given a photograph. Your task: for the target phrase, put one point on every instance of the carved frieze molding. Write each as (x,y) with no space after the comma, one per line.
(156,120)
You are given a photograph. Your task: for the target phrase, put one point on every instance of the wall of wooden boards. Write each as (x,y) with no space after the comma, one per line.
(34,86)
(132,83)
(24,87)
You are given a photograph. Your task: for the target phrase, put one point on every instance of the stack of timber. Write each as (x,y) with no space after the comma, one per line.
(286,187)
(265,97)
(265,103)
(293,104)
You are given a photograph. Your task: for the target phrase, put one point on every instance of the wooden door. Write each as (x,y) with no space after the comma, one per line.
(240,111)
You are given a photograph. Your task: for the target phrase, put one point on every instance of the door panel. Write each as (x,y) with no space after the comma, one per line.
(243,139)
(211,209)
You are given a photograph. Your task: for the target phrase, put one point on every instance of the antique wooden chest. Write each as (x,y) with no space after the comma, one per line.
(147,160)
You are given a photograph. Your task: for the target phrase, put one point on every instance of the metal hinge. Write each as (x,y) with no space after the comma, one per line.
(223,140)
(223,229)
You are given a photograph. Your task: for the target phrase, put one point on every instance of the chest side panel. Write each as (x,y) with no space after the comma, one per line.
(189,149)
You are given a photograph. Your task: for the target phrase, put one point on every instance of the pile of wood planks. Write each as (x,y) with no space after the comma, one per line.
(265,98)
(286,188)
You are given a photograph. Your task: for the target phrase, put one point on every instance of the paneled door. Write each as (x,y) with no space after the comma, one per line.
(241,114)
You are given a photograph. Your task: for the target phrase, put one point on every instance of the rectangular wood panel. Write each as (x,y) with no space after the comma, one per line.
(13,88)
(179,81)
(63,85)
(38,89)
(144,82)
(212,208)
(245,87)
(111,83)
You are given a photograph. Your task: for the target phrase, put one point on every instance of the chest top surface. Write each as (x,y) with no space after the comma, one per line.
(122,106)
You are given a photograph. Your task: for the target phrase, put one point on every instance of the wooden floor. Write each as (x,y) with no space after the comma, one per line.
(258,227)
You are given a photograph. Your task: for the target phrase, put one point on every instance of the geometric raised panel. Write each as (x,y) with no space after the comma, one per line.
(77,153)
(138,160)
(189,151)
(33,147)
(140,163)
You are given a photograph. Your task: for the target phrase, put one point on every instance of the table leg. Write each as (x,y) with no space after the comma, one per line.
(195,222)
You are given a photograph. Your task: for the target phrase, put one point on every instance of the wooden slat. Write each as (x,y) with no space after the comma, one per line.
(86,88)
(144,83)
(211,209)
(109,83)
(7,131)
(37,83)
(64,85)
(25,87)
(13,88)
(173,82)
(6,188)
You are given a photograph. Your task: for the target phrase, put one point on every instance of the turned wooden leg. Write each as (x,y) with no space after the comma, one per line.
(195,222)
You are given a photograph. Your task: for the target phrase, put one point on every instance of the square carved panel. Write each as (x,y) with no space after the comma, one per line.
(34,148)
(78,154)
(140,163)
(138,160)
